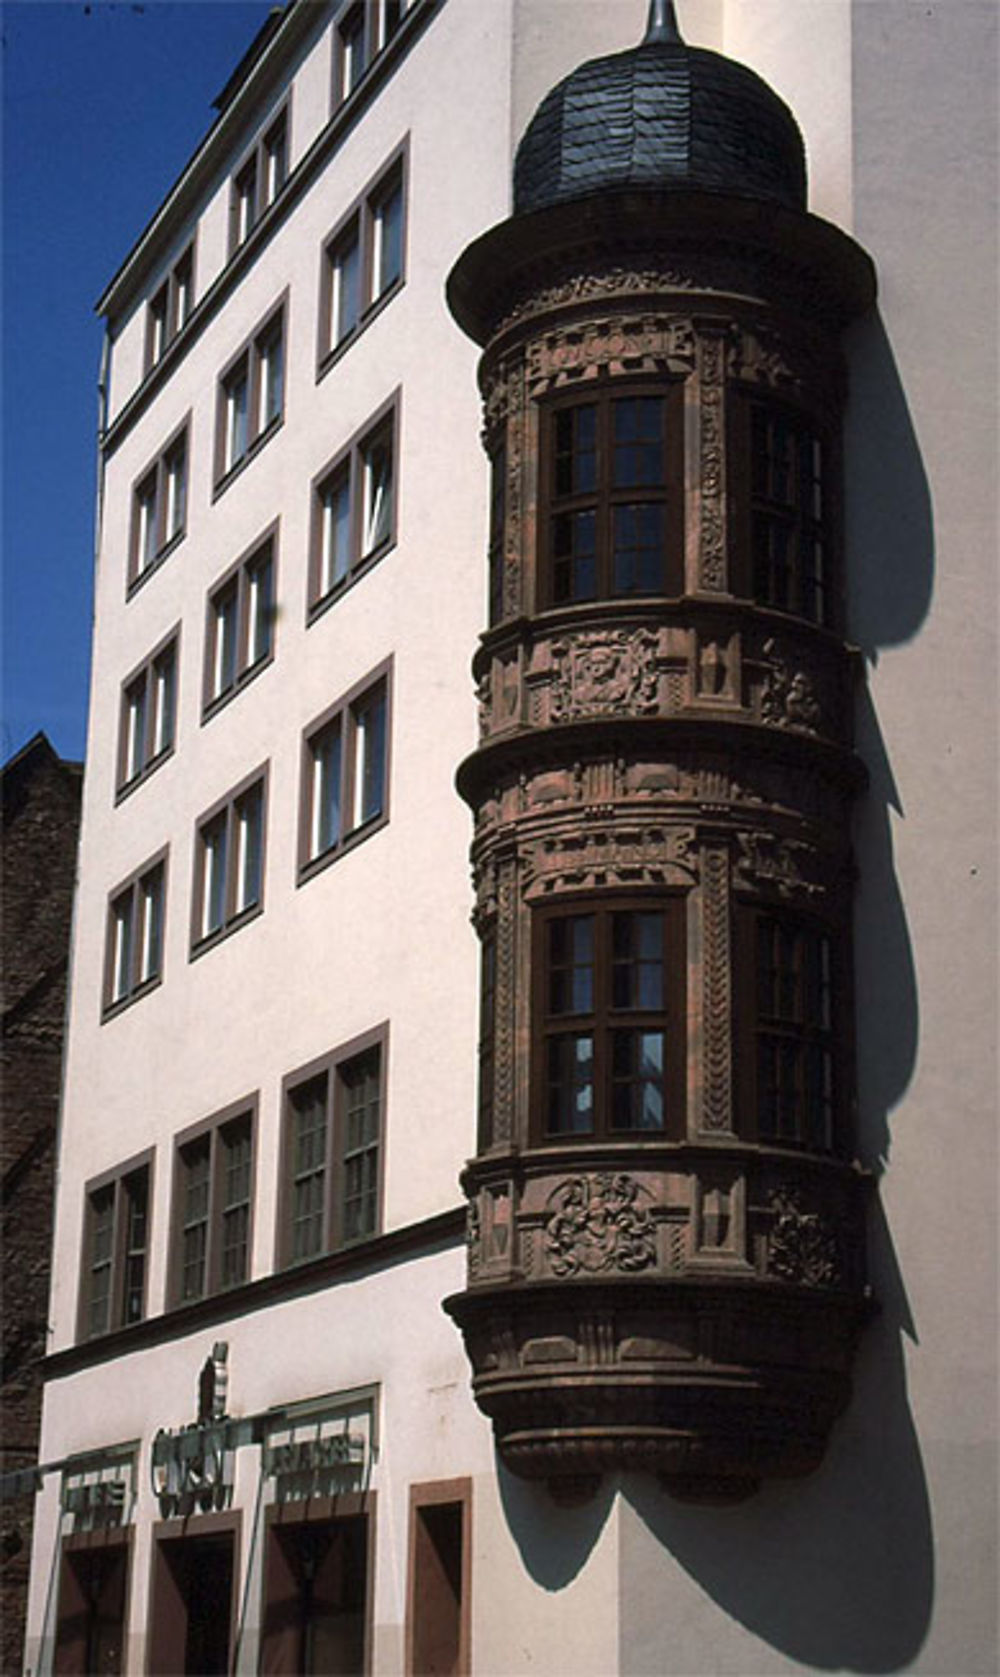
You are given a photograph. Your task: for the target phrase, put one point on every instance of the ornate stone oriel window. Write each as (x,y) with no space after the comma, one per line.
(666,1236)
(613,508)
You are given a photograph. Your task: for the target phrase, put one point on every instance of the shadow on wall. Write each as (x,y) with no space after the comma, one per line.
(835,1571)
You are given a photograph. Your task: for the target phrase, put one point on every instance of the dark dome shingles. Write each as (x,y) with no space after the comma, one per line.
(664,115)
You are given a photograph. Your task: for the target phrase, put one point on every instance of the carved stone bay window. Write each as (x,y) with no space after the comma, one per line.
(666,1263)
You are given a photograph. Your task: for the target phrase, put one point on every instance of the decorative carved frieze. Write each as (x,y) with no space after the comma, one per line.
(711,502)
(617,344)
(596,1224)
(803,1245)
(517,423)
(505,1033)
(609,856)
(604,672)
(768,863)
(788,697)
(716,993)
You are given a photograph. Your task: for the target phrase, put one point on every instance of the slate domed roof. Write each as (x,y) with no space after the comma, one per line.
(661,115)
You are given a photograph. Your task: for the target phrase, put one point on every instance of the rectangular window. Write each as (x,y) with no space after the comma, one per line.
(239,633)
(169,308)
(213,1191)
(354,510)
(332,1151)
(251,396)
(438,1597)
(610,1027)
(148,715)
(363,30)
(275,158)
(612,484)
(345,773)
(115,1248)
(487,1038)
(795,1034)
(788,515)
(363,259)
(159,508)
(353,49)
(229,863)
(258,181)
(134,959)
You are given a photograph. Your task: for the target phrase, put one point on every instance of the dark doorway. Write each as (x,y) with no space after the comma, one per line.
(438,1589)
(90,1627)
(192,1607)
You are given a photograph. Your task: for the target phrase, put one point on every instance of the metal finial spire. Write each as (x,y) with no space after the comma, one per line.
(662,24)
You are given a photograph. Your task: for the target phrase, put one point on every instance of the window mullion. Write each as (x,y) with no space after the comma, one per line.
(331,1228)
(602,1021)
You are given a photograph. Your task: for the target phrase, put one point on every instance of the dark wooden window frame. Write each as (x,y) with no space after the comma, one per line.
(151,757)
(253,167)
(745,505)
(234,917)
(190,1529)
(131,889)
(237,1113)
(751,1026)
(330,1066)
(435,1494)
(374,17)
(246,365)
(348,464)
(357,226)
(487,1038)
(170,307)
(107,1540)
(601,394)
(497,530)
(240,573)
(152,487)
(602,1019)
(322,1510)
(343,714)
(116,1181)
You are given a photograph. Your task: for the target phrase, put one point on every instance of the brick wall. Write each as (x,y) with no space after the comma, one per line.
(41,816)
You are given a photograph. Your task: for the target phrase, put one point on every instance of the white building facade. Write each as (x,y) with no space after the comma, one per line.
(261,1446)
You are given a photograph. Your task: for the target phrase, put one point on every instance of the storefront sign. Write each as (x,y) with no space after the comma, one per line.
(192,1469)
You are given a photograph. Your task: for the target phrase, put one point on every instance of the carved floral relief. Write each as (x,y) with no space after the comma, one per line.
(595,1224)
(803,1246)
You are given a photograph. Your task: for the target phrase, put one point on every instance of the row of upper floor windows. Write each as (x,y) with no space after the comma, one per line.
(362,269)
(344,799)
(362,30)
(353,521)
(329,1191)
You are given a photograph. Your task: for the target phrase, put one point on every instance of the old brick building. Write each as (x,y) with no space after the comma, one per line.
(41,818)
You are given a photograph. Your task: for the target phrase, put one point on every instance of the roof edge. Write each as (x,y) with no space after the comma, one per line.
(261,61)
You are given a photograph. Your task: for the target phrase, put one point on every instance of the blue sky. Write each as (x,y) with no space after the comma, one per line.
(103,102)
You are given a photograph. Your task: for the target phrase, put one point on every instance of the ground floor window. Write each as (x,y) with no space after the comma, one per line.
(193,1594)
(317,1589)
(90,1624)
